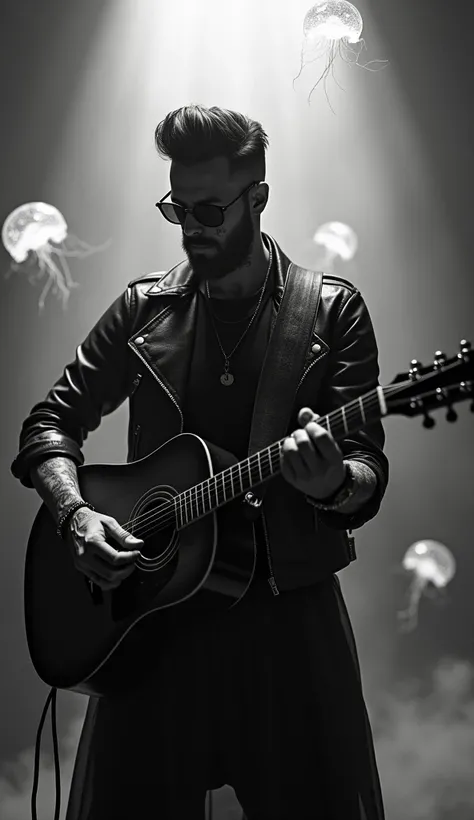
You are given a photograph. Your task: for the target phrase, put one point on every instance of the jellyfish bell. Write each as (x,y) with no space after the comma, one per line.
(30,227)
(33,233)
(430,562)
(338,239)
(333,20)
(331,29)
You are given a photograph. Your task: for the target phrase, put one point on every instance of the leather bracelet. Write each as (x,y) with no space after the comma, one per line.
(345,492)
(66,517)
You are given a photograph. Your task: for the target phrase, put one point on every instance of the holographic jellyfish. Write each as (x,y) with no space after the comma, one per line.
(338,240)
(333,28)
(430,563)
(28,233)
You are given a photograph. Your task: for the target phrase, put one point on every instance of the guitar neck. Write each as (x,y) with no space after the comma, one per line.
(214,492)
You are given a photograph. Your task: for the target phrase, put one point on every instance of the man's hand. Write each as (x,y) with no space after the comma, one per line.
(94,557)
(311,460)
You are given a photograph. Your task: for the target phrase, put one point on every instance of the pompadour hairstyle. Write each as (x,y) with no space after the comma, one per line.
(194,134)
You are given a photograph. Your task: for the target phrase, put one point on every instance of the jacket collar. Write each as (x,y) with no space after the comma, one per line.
(180,280)
(165,343)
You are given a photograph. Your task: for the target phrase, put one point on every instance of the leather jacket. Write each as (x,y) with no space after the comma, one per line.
(140,350)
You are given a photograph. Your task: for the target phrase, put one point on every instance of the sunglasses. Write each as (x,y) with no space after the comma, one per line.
(207,214)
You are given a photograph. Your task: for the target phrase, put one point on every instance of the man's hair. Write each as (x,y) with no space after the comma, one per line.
(194,134)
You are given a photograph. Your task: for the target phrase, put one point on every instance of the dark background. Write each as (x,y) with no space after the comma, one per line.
(396,160)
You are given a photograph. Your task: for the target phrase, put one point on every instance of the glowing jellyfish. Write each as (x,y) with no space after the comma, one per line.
(332,28)
(431,563)
(338,240)
(28,233)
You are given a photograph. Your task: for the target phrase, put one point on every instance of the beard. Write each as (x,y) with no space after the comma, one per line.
(215,261)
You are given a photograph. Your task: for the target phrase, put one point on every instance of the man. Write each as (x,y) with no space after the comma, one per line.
(267,696)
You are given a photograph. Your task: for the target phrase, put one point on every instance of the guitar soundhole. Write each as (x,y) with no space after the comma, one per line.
(154,522)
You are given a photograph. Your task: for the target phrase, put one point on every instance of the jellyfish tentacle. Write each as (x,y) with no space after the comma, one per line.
(301,68)
(84,249)
(69,281)
(47,287)
(55,274)
(408,617)
(333,74)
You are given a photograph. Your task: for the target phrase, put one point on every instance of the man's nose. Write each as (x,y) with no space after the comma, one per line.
(191,225)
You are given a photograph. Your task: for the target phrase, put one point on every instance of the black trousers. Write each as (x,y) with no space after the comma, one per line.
(265,697)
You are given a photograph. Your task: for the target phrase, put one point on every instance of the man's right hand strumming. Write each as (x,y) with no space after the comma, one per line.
(93,556)
(56,482)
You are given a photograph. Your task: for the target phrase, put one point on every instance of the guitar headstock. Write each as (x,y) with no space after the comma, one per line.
(425,388)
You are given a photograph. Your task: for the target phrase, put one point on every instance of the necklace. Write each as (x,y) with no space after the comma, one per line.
(227,378)
(248,313)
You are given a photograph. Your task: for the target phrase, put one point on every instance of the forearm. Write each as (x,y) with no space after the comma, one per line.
(56,482)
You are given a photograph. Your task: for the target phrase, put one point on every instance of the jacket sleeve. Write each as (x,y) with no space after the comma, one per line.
(93,385)
(352,371)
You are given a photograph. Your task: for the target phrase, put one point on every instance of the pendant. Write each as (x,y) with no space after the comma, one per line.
(227,379)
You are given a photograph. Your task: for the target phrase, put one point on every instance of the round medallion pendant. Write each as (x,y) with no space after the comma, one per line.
(227,379)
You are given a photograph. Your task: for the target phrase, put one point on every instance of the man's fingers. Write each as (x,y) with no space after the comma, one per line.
(124,538)
(324,444)
(306,415)
(116,558)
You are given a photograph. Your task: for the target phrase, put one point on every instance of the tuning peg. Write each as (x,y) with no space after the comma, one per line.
(464,349)
(451,415)
(428,422)
(414,373)
(439,358)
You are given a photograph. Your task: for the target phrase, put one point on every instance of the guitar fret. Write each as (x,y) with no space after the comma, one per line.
(260,466)
(344,421)
(186,502)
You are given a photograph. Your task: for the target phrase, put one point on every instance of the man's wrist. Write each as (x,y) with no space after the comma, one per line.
(341,496)
(329,499)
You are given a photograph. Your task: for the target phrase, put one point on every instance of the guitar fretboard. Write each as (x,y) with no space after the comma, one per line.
(214,492)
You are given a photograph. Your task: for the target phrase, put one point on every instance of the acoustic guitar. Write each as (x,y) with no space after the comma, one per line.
(186,500)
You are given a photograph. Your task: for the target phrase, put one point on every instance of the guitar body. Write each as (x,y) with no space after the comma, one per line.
(199,550)
(84,639)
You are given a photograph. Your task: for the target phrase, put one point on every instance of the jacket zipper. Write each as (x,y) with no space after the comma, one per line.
(136,439)
(162,387)
(309,368)
(351,543)
(135,383)
(271,579)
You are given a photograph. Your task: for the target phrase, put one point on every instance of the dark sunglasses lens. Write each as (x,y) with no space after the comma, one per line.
(209,215)
(174,213)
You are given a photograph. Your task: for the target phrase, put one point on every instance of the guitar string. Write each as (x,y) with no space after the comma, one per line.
(167,514)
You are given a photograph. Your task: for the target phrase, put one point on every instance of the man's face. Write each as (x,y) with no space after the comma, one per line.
(214,252)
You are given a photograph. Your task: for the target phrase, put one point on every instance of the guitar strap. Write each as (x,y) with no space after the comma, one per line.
(283,364)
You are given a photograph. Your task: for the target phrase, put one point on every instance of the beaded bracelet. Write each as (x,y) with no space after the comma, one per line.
(346,492)
(65,518)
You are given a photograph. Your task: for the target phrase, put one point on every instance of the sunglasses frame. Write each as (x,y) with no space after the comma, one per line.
(222,208)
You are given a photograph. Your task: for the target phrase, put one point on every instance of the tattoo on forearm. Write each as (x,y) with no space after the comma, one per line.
(366,486)
(56,482)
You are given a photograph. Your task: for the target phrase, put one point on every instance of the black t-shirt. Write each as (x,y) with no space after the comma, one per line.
(218,413)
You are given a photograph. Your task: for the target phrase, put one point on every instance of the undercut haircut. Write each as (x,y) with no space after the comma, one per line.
(194,134)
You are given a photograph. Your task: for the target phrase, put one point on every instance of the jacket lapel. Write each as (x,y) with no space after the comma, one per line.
(165,343)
